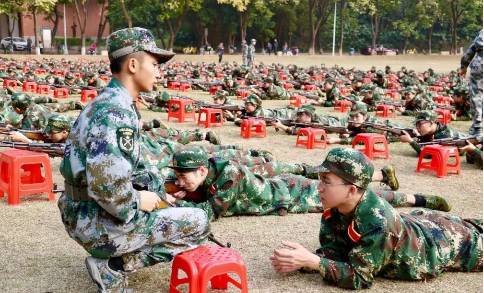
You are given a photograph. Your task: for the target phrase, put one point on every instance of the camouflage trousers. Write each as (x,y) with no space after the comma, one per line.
(180,136)
(272,169)
(244,60)
(329,103)
(167,233)
(475,86)
(60,107)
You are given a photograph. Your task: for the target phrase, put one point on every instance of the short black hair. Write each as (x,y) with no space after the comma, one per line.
(117,64)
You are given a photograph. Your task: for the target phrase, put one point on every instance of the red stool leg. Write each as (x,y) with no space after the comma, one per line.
(220,282)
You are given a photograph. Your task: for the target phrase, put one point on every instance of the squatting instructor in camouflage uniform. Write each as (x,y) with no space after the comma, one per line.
(362,236)
(118,225)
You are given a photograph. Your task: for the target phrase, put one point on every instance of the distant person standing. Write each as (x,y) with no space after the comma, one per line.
(220,52)
(41,47)
(474,54)
(269,48)
(251,53)
(29,45)
(244,49)
(285,48)
(275,46)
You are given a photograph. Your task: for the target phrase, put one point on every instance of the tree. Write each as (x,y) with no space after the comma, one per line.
(429,13)
(317,9)
(82,23)
(102,22)
(341,9)
(55,16)
(11,9)
(36,7)
(408,23)
(126,14)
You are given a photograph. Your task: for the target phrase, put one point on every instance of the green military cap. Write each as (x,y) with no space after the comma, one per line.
(358,79)
(349,164)
(196,72)
(70,76)
(89,74)
(253,40)
(304,76)
(387,67)
(132,40)
(227,78)
(306,108)
(253,99)
(379,73)
(268,80)
(427,115)
(189,158)
(460,90)
(162,97)
(221,94)
(244,42)
(58,122)
(358,108)
(329,80)
(409,89)
(21,100)
(10,70)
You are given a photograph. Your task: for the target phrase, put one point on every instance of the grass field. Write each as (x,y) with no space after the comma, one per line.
(36,254)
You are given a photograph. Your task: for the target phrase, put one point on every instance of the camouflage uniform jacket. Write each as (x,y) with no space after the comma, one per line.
(231,90)
(443,131)
(333,94)
(35,117)
(463,111)
(378,241)
(274,92)
(474,54)
(102,154)
(9,116)
(231,189)
(250,52)
(371,103)
(415,105)
(355,130)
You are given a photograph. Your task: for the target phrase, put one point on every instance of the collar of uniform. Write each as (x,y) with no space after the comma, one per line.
(114,83)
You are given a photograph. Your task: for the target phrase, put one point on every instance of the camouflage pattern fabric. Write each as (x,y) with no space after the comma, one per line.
(245,50)
(250,56)
(414,246)
(58,122)
(332,96)
(103,155)
(35,117)
(274,92)
(9,116)
(474,54)
(443,131)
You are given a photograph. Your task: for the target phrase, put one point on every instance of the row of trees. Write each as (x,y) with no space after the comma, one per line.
(308,23)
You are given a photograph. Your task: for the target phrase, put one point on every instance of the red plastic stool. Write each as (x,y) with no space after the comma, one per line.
(442,100)
(394,95)
(343,106)
(77,74)
(310,87)
(283,77)
(253,127)
(297,101)
(210,117)
(345,91)
(173,85)
(214,89)
(435,89)
(21,173)
(40,71)
(242,94)
(288,86)
(312,140)
(219,75)
(88,95)
(43,89)
(393,86)
(366,80)
(59,73)
(387,111)
(10,83)
(440,159)
(29,87)
(444,115)
(185,87)
(370,140)
(208,264)
(241,82)
(25,69)
(181,114)
(317,78)
(61,93)
(105,78)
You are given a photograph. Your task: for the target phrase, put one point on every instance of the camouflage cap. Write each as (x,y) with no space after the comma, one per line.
(349,164)
(163,97)
(132,40)
(21,100)
(330,80)
(409,89)
(253,99)
(90,74)
(306,108)
(427,115)
(253,40)
(244,42)
(58,122)
(379,73)
(358,79)
(460,90)
(358,108)
(221,94)
(189,158)
(227,78)
(268,80)
(304,76)
(70,76)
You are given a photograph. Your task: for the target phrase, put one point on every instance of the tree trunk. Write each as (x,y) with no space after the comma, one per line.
(10,31)
(126,14)
(82,25)
(102,24)
(431,29)
(405,45)
(322,6)
(341,31)
(34,14)
(55,20)
(243,17)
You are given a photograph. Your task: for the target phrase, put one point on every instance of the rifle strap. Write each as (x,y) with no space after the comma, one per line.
(76,193)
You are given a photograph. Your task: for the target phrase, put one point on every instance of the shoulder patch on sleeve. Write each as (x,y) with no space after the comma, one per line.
(126,139)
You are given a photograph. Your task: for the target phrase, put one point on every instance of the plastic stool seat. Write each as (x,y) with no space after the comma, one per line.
(185,87)
(29,87)
(343,106)
(43,89)
(174,85)
(297,101)
(313,138)
(370,140)
(241,94)
(208,264)
(21,173)
(288,86)
(61,93)
(345,91)
(387,111)
(310,87)
(444,115)
(9,83)
(439,161)
(211,116)
(253,127)
(88,95)
(214,89)
(442,100)
(181,113)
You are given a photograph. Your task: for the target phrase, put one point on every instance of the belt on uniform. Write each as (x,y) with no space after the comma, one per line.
(76,193)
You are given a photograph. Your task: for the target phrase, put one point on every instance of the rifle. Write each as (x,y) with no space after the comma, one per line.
(389,129)
(231,108)
(453,141)
(284,121)
(392,103)
(30,134)
(252,86)
(172,187)
(307,95)
(326,127)
(445,107)
(52,149)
